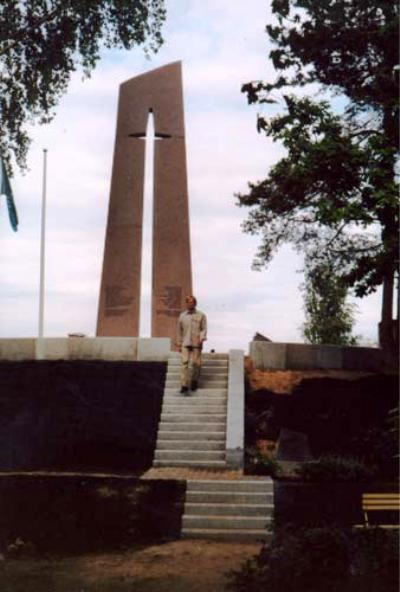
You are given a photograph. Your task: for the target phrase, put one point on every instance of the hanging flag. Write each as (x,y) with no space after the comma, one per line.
(5,189)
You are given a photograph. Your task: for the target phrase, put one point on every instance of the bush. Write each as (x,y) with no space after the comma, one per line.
(378,447)
(329,559)
(335,468)
(258,464)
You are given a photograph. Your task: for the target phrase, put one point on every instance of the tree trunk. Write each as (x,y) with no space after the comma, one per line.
(386,326)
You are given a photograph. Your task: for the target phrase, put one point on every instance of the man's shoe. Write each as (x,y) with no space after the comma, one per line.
(193,386)
(184,389)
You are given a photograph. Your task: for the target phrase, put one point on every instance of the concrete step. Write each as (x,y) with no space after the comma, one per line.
(198,426)
(175,377)
(220,534)
(205,371)
(193,401)
(201,392)
(219,407)
(216,436)
(208,380)
(203,384)
(184,408)
(190,444)
(204,355)
(205,376)
(205,368)
(209,464)
(190,397)
(226,522)
(209,362)
(193,455)
(193,417)
(231,486)
(207,383)
(229,509)
(211,497)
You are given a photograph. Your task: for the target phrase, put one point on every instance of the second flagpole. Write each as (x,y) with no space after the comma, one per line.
(40,349)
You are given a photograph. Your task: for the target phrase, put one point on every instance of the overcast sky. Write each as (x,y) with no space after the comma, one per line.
(221,44)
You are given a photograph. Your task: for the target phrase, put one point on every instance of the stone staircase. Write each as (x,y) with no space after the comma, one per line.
(238,510)
(192,429)
(192,436)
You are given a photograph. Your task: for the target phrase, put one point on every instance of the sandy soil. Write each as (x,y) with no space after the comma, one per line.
(178,566)
(284,381)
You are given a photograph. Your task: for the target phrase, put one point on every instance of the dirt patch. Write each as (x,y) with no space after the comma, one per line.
(178,566)
(284,381)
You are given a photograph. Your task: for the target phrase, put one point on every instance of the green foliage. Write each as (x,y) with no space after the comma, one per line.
(257,464)
(378,447)
(329,318)
(351,419)
(335,468)
(315,559)
(361,452)
(335,191)
(43,41)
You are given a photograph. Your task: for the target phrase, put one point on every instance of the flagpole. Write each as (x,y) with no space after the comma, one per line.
(40,352)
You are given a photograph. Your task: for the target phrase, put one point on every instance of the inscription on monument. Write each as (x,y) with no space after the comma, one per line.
(171,298)
(117,300)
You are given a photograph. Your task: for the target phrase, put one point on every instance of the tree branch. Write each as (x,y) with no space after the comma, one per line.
(41,21)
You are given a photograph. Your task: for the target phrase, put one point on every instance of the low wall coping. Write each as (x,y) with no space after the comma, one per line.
(305,356)
(85,348)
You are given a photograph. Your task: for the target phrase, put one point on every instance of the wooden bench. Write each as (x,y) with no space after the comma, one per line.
(380,502)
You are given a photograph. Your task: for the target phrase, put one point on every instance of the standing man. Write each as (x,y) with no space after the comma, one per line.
(192,331)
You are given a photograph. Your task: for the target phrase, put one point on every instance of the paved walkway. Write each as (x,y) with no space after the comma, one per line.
(184,474)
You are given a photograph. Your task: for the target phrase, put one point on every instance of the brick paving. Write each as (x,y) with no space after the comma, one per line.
(183,474)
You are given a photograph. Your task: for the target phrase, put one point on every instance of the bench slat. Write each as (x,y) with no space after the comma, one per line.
(381,506)
(375,502)
(381,495)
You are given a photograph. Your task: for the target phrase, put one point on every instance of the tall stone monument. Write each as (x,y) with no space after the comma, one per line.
(159,92)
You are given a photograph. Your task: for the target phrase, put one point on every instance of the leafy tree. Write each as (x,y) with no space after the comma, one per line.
(335,191)
(329,317)
(43,41)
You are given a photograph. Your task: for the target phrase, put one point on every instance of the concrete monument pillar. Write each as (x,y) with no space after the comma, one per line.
(158,91)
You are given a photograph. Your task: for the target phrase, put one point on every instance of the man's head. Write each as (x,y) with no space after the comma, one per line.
(190,302)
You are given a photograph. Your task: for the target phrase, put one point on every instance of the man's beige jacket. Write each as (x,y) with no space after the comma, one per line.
(192,328)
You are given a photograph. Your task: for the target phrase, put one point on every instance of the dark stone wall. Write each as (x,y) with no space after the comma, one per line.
(318,504)
(62,514)
(79,415)
(332,412)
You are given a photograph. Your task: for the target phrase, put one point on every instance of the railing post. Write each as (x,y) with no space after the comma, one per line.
(235,411)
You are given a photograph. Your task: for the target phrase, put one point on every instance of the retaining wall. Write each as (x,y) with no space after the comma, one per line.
(301,356)
(79,415)
(85,513)
(312,504)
